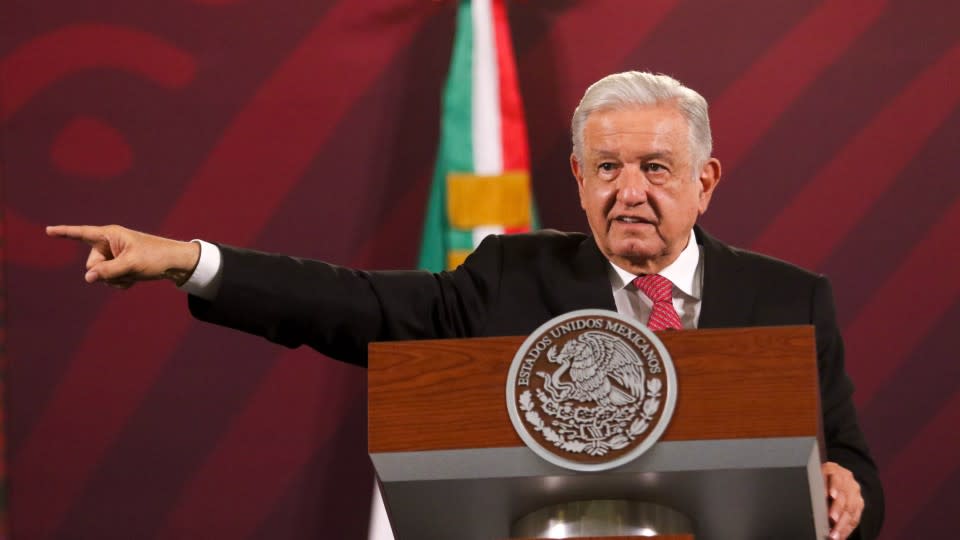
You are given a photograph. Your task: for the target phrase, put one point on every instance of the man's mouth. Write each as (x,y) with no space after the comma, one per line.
(632,219)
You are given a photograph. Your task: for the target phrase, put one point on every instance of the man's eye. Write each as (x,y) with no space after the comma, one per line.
(607,167)
(655,167)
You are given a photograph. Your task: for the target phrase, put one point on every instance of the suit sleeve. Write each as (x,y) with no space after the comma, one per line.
(339,311)
(844,440)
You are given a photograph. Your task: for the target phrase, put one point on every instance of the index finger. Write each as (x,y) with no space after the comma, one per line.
(87,233)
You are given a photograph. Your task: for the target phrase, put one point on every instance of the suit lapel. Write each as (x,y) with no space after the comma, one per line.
(728,296)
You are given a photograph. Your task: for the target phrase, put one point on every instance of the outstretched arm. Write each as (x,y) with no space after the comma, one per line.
(121,257)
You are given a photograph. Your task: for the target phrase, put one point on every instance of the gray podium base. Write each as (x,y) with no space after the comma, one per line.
(751,489)
(603,517)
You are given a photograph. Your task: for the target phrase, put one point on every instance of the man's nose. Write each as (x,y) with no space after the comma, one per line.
(634,186)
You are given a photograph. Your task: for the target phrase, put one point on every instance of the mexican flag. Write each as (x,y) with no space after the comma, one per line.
(481,183)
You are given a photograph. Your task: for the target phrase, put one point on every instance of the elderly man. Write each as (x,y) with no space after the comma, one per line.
(642,161)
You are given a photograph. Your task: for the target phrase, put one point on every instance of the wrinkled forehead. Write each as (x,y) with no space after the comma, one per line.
(660,129)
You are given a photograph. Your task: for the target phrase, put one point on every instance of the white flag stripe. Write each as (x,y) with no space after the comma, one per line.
(487,148)
(479,233)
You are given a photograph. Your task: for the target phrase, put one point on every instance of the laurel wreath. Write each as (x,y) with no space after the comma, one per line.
(565,416)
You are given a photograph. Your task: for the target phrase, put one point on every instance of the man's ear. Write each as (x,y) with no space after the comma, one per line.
(709,178)
(577,170)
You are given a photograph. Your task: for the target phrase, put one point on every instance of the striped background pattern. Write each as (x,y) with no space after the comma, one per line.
(4,529)
(310,128)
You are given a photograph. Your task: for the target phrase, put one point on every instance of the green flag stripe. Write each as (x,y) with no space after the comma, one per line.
(433,250)
(460,239)
(456,131)
(456,143)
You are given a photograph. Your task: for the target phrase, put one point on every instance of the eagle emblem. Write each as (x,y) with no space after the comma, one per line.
(591,390)
(594,361)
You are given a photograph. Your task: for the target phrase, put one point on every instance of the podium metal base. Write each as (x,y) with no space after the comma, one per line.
(724,486)
(581,519)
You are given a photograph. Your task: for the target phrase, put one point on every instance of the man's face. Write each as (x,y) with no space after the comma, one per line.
(638,186)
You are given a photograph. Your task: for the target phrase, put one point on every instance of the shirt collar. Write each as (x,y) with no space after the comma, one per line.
(681,272)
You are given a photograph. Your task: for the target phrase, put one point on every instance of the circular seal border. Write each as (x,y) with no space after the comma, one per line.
(658,429)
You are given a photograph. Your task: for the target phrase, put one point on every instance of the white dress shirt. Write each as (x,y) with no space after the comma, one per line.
(686,274)
(205,279)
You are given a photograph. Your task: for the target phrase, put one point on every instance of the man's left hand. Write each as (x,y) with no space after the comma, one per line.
(843,496)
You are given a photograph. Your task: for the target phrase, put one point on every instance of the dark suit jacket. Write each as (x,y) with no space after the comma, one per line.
(511,285)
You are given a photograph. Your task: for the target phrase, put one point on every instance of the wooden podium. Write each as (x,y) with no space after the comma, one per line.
(741,456)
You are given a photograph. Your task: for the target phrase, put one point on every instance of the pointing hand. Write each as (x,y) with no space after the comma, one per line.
(121,257)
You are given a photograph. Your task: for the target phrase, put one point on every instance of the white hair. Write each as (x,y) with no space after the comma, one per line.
(632,88)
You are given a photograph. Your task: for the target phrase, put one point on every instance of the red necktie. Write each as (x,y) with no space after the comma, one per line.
(660,290)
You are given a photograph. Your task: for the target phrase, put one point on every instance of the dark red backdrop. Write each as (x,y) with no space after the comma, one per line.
(310,128)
